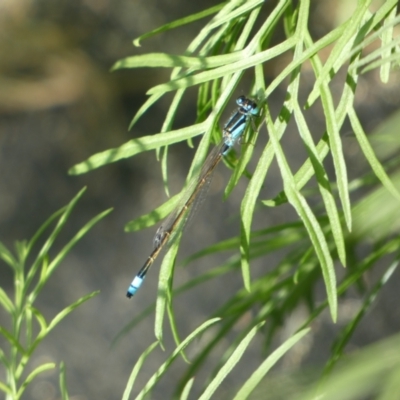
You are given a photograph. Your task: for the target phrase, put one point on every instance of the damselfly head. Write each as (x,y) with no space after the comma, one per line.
(247,106)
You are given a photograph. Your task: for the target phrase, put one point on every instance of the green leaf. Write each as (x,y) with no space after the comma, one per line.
(63,382)
(5,388)
(362,375)
(136,146)
(154,216)
(320,173)
(49,242)
(46,224)
(246,61)
(163,60)
(230,364)
(238,12)
(144,108)
(4,360)
(375,29)
(262,370)
(39,318)
(391,386)
(335,143)
(186,389)
(310,222)
(247,210)
(12,340)
(306,171)
(306,55)
(323,184)
(179,22)
(164,294)
(370,155)
(385,52)
(347,333)
(7,256)
(136,370)
(166,126)
(78,236)
(64,251)
(373,215)
(164,367)
(174,325)
(6,302)
(61,315)
(394,57)
(339,54)
(33,375)
(131,324)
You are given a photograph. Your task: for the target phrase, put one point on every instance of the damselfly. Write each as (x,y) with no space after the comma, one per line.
(233,130)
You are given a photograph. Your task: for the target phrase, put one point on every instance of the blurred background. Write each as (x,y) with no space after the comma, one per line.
(59,104)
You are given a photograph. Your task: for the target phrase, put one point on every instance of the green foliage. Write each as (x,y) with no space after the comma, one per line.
(238,39)
(27,325)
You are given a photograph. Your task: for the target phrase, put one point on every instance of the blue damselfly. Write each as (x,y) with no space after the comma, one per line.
(232,132)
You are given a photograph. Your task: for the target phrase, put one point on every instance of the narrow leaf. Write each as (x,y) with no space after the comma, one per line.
(39,318)
(6,302)
(387,38)
(154,216)
(351,27)
(179,22)
(244,9)
(323,184)
(262,370)
(335,143)
(230,363)
(33,375)
(61,315)
(136,369)
(5,388)
(11,339)
(163,296)
(49,242)
(186,389)
(244,63)
(247,210)
(370,155)
(310,222)
(63,382)
(7,256)
(64,251)
(136,146)
(164,367)
(144,108)
(164,60)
